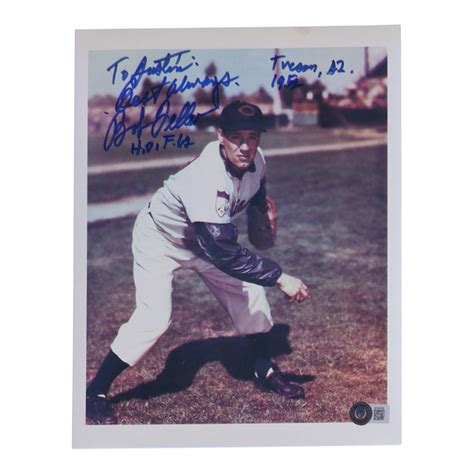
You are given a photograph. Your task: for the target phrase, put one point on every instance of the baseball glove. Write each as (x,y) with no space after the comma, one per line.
(262,226)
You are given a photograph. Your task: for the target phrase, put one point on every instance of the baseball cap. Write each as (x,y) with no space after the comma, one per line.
(241,115)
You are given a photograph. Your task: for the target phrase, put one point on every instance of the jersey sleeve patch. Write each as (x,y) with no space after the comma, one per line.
(222,203)
(206,203)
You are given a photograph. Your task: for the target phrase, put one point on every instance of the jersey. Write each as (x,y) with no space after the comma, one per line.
(204,191)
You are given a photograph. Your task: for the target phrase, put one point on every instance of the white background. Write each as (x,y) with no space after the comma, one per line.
(37,83)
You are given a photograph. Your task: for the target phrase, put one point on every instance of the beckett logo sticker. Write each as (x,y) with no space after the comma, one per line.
(360,413)
(222,203)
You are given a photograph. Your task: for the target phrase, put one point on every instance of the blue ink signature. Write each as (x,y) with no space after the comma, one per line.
(163,120)
(178,141)
(162,65)
(291,81)
(291,66)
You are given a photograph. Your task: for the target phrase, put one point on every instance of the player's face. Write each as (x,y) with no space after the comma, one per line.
(240,146)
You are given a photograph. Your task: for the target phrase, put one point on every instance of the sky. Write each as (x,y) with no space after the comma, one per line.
(253,67)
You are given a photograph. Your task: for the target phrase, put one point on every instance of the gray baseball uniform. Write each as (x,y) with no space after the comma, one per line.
(164,240)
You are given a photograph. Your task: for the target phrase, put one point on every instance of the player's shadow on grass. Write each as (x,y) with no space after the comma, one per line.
(185,361)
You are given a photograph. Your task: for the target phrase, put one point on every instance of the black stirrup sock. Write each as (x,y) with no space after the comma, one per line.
(260,354)
(111,368)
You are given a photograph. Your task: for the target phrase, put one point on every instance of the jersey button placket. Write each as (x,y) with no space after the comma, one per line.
(236,195)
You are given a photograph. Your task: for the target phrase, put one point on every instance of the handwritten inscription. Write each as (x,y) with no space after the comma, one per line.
(167,141)
(131,115)
(290,70)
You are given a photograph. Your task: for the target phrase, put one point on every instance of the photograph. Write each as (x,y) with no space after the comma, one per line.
(233,206)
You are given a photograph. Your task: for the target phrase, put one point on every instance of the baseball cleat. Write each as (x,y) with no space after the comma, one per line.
(276,382)
(98,409)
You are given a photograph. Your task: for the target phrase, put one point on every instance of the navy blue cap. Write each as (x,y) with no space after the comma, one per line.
(240,115)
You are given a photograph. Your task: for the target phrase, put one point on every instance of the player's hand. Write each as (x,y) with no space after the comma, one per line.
(293,288)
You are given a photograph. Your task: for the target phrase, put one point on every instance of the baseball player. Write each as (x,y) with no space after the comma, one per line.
(188,224)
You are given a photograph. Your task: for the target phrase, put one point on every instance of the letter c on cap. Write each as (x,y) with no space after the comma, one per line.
(247,110)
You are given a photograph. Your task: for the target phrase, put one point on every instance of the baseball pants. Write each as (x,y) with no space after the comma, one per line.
(155,260)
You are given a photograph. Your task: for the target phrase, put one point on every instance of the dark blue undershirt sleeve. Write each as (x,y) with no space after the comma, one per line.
(259,200)
(219,244)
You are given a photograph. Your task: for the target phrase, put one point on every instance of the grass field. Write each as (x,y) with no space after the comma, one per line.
(332,234)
